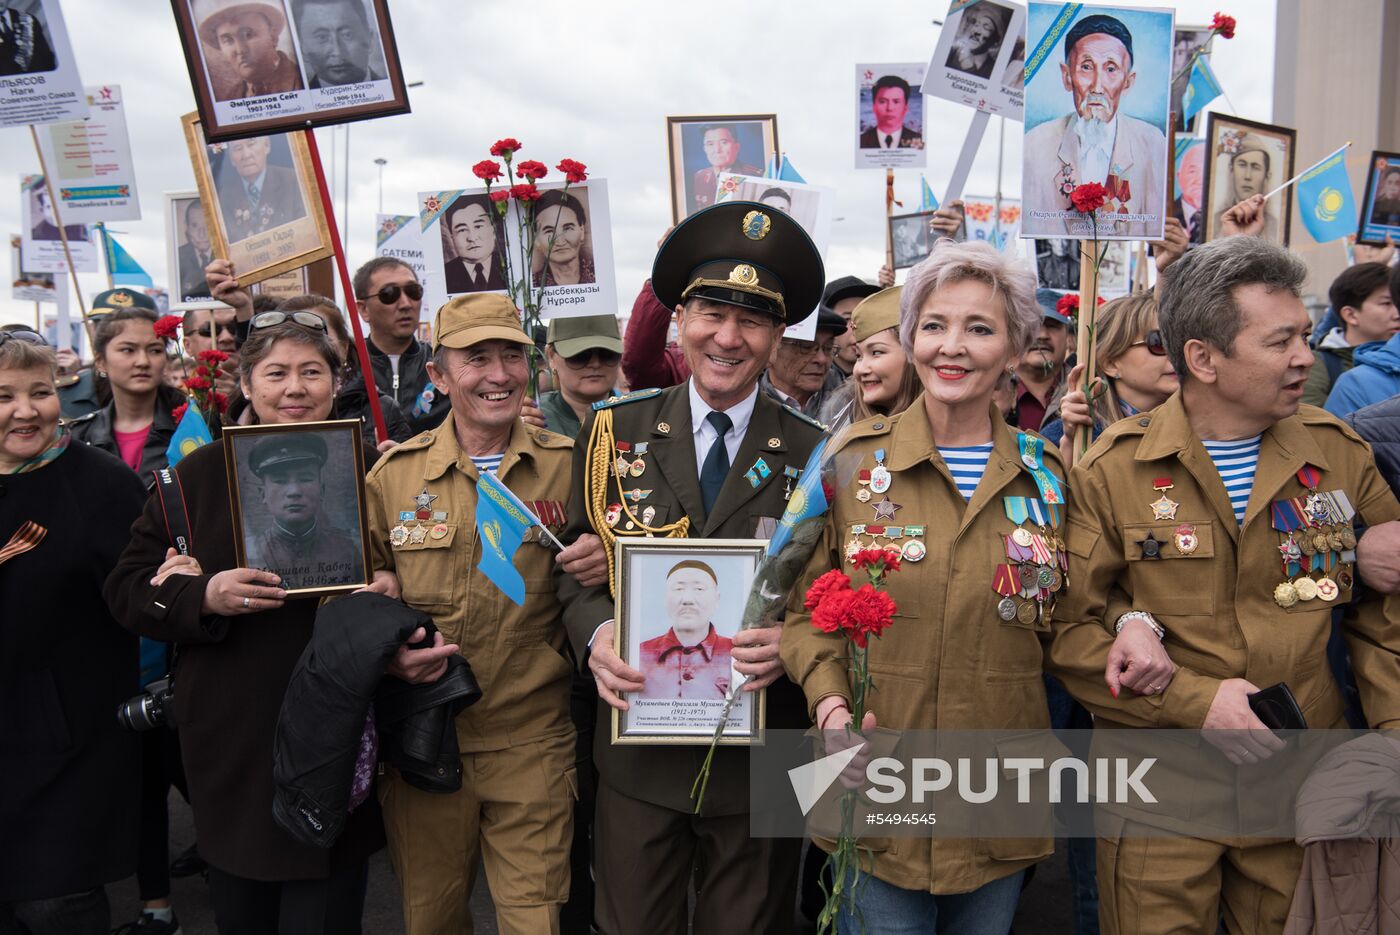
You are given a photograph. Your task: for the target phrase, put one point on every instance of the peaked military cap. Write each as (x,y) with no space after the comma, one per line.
(282,449)
(119,299)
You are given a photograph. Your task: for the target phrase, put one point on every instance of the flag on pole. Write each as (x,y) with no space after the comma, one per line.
(787,172)
(929,201)
(500,525)
(1325,201)
(1201,88)
(190,435)
(122,265)
(808,499)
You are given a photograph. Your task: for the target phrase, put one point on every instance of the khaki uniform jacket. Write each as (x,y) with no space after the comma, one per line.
(663,775)
(518,654)
(947,662)
(1216,603)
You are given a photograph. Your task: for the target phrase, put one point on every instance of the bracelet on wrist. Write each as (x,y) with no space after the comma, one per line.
(1145,617)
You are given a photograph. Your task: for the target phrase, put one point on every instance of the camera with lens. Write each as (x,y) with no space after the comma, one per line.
(150,709)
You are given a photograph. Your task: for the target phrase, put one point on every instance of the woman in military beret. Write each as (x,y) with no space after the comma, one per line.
(883,380)
(239,636)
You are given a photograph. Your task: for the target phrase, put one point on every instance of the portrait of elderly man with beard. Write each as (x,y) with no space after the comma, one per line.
(979,38)
(1097,141)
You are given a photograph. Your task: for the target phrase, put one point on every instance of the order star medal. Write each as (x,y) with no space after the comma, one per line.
(1163,508)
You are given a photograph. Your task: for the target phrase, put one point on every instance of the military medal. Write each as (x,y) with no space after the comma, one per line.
(1006,609)
(885,509)
(613,514)
(1327,589)
(1285,595)
(1185,539)
(638,467)
(622,466)
(1151,547)
(863,495)
(398,535)
(879,475)
(637,494)
(417,535)
(1305,588)
(1163,508)
(439,531)
(405,515)
(648,515)
(1028,612)
(1022,537)
(790,474)
(424,502)
(913,551)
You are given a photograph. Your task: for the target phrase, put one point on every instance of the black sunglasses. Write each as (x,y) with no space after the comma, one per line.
(205,331)
(390,293)
(582,360)
(28,337)
(1154,343)
(272,319)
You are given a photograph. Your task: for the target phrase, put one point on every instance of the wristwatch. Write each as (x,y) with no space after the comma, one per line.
(1145,617)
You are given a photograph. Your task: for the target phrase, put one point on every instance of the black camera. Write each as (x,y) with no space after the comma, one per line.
(150,709)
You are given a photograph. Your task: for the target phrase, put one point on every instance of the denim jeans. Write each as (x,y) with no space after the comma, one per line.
(886,909)
(85,913)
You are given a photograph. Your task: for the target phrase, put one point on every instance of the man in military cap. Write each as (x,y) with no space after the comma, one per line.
(1215,536)
(301,545)
(712,457)
(514,811)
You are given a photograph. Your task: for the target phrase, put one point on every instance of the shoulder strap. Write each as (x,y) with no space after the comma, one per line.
(172,505)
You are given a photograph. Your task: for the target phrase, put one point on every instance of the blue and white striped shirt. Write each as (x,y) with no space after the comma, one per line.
(1236,462)
(489,463)
(967,465)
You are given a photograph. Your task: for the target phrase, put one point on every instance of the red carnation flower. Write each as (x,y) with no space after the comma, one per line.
(220,401)
(885,559)
(167,327)
(212,356)
(830,615)
(197,383)
(178,412)
(1223,26)
(526,193)
(504,148)
(1068,305)
(574,171)
(487,169)
(531,169)
(1088,197)
(834,580)
(869,613)
(499,196)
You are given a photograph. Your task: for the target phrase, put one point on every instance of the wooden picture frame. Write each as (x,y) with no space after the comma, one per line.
(285,228)
(704,585)
(292,490)
(911,237)
(1377,221)
(278,79)
(1224,135)
(694,176)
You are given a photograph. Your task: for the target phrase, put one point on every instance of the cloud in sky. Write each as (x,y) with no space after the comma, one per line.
(594,82)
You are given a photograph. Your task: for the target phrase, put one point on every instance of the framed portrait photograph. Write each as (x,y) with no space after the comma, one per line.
(189,248)
(298,500)
(261,204)
(911,238)
(701,148)
(980,57)
(1380,208)
(266,66)
(1078,131)
(1186,42)
(1190,168)
(679,604)
(890,116)
(1244,158)
(1057,263)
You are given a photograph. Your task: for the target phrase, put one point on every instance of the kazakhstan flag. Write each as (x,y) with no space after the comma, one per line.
(928,202)
(191,434)
(1325,202)
(1201,88)
(807,501)
(500,527)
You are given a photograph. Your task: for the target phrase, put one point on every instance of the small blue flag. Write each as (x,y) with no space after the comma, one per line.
(123,267)
(930,201)
(1201,88)
(1325,202)
(771,170)
(788,172)
(190,435)
(500,525)
(807,500)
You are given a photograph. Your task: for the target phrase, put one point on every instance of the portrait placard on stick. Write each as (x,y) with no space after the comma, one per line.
(263,66)
(90,161)
(1380,209)
(701,148)
(262,206)
(889,127)
(41,245)
(979,59)
(1246,158)
(28,286)
(188,249)
(1097,102)
(39,82)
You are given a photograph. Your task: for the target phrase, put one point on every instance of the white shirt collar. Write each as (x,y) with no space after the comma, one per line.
(740,413)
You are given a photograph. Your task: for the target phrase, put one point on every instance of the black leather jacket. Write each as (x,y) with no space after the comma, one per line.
(95,429)
(410,385)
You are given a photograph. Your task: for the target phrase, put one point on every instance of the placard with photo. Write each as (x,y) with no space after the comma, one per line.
(28,286)
(1186,42)
(889,131)
(1246,158)
(39,80)
(980,57)
(189,247)
(1380,209)
(911,238)
(90,161)
(41,243)
(703,148)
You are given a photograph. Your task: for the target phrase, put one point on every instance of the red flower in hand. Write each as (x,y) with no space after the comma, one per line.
(1088,197)
(168,327)
(505,147)
(870,613)
(574,171)
(178,412)
(531,169)
(831,614)
(1223,26)
(212,356)
(834,580)
(487,169)
(526,193)
(884,559)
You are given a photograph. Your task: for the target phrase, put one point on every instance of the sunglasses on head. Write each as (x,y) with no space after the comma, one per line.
(28,337)
(305,319)
(206,331)
(1154,343)
(390,293)
(605,358)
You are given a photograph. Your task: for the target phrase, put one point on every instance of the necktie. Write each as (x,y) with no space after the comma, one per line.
(716,465)
(253,194)
(478,276)
(889,141)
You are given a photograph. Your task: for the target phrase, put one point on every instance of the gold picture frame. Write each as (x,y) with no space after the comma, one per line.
(1225,135)
(330,555)
(704,581)
(691,187)
(261,202)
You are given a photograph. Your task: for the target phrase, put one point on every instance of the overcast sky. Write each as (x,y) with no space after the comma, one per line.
(594,82)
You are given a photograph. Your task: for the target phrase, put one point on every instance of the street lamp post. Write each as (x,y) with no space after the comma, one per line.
(380,162)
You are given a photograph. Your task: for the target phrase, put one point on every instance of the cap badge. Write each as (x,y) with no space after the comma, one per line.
(757,225)
(121,299)
(743,275)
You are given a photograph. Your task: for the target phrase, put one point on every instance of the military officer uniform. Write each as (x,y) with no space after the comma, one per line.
(642,447)
(514,811)
(1151,528)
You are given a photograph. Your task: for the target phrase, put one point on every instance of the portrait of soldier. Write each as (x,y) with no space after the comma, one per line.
(45,225)
(24,43)
(1190,174)
(254,194)
(1057,263)
(336,39)
(196,252)
(691,659)
(777,198)
(1245,166)
(301,545)
(477,237)
(1096,141)
(1386,207)
(978,42)
(242,39)
(889,101)
(721,146)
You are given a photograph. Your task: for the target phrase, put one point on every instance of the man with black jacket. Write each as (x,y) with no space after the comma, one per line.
(390,299)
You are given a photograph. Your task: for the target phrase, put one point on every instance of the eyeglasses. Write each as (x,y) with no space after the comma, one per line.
(206,331)
(604,358)
(1154,343)
(28,337)
(271,319)
(390,293)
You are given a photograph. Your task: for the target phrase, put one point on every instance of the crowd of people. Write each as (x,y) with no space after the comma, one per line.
(1214,397)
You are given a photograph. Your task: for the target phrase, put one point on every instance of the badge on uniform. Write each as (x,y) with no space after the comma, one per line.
(880,475)
(1163,508)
